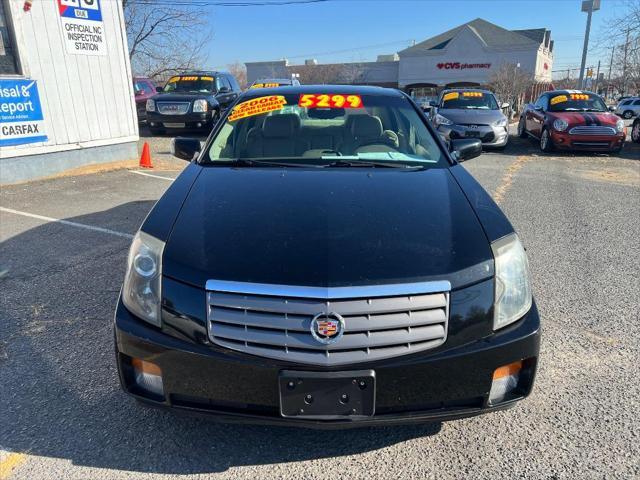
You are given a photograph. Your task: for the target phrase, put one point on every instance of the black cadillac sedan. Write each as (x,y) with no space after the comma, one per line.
(325,261)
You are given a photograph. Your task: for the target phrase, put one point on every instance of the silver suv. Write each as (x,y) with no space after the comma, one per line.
(629,107)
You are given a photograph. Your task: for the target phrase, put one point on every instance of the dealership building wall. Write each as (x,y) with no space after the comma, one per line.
(86,113)
(469,54)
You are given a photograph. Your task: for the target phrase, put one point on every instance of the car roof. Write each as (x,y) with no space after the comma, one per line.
(467,89)
(197,72)
(337,89)
(274,80)
(565,92)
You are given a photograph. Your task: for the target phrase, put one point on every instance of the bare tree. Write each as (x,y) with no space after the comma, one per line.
(239,71)
(164,39)
(511,83)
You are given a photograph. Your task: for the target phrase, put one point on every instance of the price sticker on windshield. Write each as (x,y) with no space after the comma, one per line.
(559,99)
(579,96)
(265,85)
(472,94)
(257,106)
(330,101)
(450,96)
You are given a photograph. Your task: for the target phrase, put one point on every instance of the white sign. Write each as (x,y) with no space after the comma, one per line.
(82,27)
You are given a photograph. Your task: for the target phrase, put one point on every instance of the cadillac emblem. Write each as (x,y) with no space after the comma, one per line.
(327,328)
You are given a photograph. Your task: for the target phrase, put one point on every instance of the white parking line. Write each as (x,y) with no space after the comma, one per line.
(67,222)
(151,175)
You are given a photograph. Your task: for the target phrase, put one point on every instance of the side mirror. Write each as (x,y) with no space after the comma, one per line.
(185,148)
(612,108)
(159,89)
(506,105)
(466,148)
(538,108)
(433,104)
(224,90)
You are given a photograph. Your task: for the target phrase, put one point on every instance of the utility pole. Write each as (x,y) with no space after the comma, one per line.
(624,64)
(595,88)
(613,49)
(588,6)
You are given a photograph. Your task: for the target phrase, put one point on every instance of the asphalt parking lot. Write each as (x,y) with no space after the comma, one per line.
(63,415)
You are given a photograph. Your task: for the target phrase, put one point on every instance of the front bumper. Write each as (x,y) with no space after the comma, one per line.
(187,121)
(606,143)
(236,387)
(490,136)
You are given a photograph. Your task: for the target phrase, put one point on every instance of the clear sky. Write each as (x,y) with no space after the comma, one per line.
(358,30)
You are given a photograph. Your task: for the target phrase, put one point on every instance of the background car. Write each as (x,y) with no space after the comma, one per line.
(635,130)
(572,120)
(275,82)
(629,107)
(192,100)
(143,89)
(471,113)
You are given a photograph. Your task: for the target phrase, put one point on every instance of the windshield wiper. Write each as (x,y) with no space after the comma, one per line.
(249,162)
(353,162)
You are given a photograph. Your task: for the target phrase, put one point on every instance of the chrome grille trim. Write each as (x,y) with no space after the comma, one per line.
(381,321)
(181,108)
(592,130)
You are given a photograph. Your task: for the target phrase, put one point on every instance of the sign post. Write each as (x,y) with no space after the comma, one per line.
(82,27)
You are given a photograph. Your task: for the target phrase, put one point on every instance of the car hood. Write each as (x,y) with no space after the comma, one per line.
(181,97)
(481,117)
(329,227)
(606,119)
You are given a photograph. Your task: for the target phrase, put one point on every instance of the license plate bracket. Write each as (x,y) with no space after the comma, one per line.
(327,395)
(174,125)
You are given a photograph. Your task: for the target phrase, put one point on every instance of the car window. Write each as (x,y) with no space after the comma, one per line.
(567,102)
(469,100)
(540,102)
(637,102)
(324,128)
(144,86)
(626,102)
(190,84)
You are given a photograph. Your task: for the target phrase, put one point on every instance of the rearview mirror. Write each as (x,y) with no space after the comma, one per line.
(185,148)
(506,105)
(466,148)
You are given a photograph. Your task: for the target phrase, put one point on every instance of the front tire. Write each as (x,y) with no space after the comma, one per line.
(546,144)
(522,129)
(627,114)
(635,132)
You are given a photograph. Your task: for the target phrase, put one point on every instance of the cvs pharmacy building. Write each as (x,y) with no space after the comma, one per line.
(66,96)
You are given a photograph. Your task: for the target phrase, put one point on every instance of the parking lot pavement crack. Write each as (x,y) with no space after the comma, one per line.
(507,178)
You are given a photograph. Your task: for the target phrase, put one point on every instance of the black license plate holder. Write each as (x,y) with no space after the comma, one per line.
(472,133)
(327,392)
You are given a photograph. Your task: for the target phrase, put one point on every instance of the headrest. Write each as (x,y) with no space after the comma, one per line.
(366,126)
(280,126)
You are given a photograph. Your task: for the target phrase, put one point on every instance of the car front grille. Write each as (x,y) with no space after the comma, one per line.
(274,321)
(592,130)
(173,108)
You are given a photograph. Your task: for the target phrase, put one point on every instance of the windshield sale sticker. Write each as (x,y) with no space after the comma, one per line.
(559,99)
(265,85)
(472,94)
(257,106)
(451,96)
(82,27)
(21,119)
(330,101)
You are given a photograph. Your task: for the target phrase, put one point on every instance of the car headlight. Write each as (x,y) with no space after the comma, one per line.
(500,123)
(141,293)
(513,288)
(200,106)
(151,105)
(440,120)
(560,125)
(620,126)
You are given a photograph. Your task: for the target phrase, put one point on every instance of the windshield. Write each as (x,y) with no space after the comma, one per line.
(326,128)
(270,83)
(196,83)
(469,101)
(576,102)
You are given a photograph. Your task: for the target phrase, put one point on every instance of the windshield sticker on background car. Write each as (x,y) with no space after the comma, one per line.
(472,94)
(559,99)
(311,100)
(258,106)
(579,96)
(450,96)
(265,85)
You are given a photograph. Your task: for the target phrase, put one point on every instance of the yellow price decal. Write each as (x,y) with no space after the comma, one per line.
(173,79)
(559,99)
(265,85)
(187,79)
(579,96)
(472,94)
(330,100)
(207,78)
(450,96)
(257,106)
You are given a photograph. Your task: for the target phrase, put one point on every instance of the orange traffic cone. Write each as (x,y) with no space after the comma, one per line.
(145,158)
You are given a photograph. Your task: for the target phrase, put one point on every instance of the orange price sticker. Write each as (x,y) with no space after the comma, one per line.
(257,106)
(330,100)
(579,96)
(450,96)
(472,94)
(265,85)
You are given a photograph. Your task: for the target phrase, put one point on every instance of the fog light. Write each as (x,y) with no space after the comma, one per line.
(152,124)
(505,380)
(199,125)
(148,376)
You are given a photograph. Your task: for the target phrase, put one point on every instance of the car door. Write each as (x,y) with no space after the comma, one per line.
(535,115)
(635,106)
(225,95)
